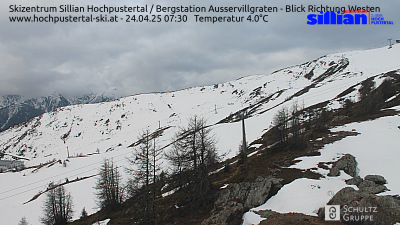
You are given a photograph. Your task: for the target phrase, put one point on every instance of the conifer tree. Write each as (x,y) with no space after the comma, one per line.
(193,153)
(145,170)
(57,207)
(108,186)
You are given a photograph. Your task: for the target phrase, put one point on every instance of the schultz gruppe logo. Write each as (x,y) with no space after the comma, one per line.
(347,17)
(352,214)
(332,213)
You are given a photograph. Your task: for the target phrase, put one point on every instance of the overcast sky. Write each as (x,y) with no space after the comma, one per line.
(77,58)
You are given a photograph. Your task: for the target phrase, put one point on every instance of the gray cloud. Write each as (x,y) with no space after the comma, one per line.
(77,58)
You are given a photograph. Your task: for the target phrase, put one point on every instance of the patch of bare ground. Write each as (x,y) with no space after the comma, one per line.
(330,137)
(347,120)
(274,161)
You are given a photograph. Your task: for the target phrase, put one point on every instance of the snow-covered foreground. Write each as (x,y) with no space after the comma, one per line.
(376,150)
(105,130)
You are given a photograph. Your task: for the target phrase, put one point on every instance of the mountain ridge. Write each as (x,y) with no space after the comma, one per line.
(15,109)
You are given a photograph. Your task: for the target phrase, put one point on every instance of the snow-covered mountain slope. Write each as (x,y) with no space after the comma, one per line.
(15,109)
(105,130)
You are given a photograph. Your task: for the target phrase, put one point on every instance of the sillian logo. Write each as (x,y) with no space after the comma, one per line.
(347,17)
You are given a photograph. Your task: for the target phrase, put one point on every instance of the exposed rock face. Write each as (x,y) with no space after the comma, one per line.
(347,163)
(377,179)
(373,184)
(354,181)
(383,209)
(228,213)
(236,199)
(371,187)
(334,172)
(250,194)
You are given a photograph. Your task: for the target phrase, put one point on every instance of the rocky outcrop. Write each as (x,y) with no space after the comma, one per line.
(377,179)
(347,163)
(250,194)
(229,213)
(236,199)
(371,187)
(354,181)
(365,202)
(373,184)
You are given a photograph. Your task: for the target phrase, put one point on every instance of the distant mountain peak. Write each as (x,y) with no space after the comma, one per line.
(15,109)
